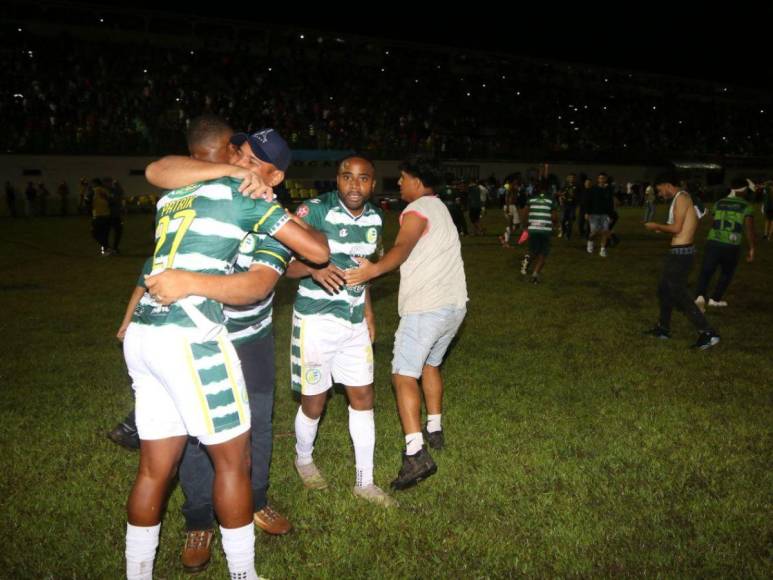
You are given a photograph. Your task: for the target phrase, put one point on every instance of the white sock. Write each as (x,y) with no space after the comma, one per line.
(413,443)
(239,548)
(305,433)
(507,235)
(141,544)
(433,423)
(362,428)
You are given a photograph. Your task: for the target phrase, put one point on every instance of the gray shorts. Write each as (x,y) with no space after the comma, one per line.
(422,339)
(598,222)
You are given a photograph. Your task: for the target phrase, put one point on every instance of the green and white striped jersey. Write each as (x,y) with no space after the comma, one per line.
(199,228)
(147,268)
(540,208)
(348,236)
(245,323)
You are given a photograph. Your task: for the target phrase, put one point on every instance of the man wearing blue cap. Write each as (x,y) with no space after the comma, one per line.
(248,295)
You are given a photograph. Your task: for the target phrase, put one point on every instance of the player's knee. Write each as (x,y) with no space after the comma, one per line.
(361,398)
(313,405)
(155,475)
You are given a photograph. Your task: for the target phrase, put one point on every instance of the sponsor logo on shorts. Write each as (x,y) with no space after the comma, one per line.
(313,376)
(372,235)
(302,211)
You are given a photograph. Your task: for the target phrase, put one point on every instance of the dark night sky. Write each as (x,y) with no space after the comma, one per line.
(674,38)
(725,42)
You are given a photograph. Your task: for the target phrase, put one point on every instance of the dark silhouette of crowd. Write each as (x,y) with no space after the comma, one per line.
(74,89)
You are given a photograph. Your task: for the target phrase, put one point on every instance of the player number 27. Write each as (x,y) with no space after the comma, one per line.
(187,216)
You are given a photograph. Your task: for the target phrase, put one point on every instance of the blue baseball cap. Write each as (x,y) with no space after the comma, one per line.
(267,145)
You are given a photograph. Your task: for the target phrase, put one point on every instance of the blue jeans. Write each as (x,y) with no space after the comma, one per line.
(423,338)
(196,472)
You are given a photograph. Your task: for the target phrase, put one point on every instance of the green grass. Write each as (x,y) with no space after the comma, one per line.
(575,446)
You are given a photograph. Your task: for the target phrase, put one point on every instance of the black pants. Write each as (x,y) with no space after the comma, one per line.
(100,229)
(457,215)
(116,226)
(673,293)
(722,256)
(567,221)
(583,224)
(196,471)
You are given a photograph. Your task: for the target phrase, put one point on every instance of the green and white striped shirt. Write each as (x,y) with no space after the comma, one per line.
(246,323)
(199,228)
(348,236)
(540,209)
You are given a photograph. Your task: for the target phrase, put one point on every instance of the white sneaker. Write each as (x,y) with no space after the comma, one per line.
(374,494)
(717,303)
(700,302)
(589,247)
(311,476)
(603,252)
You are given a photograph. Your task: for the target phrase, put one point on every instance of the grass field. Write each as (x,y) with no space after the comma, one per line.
(575,446)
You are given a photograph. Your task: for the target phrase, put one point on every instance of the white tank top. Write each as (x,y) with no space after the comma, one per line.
(433,275)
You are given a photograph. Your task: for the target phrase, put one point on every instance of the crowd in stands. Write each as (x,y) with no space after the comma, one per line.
(67,92)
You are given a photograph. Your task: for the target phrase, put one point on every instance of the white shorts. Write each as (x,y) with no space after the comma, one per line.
(185,388)
(513,215)
(323,350)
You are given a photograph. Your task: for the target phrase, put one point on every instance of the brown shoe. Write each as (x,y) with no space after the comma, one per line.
(198,550)
(272,522)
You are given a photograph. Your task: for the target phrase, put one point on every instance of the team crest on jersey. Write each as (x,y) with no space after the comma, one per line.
(183,191)
(247,245)
(343,232)
(302,211)
(313,376)
(372,235)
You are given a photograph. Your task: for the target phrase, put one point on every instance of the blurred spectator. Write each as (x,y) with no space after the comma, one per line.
(85,196)
(10,198)
(100,216)
(30,199)
(649,203)
(64,193)
(43,195)
(117,202)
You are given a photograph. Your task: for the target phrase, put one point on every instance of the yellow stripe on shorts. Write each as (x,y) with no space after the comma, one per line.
(232,379)
(300,347)
(199,390)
